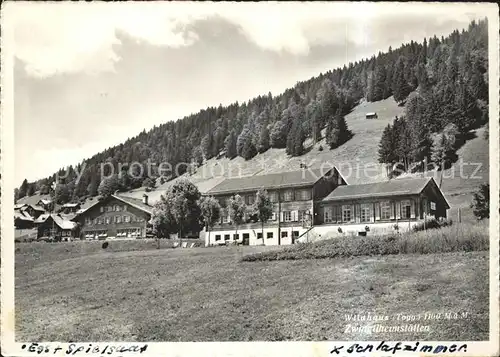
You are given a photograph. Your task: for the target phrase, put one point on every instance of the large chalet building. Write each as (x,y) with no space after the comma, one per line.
(295,196)
(320,202)
(380,208)
(308,202)
(115,217)
(25,215)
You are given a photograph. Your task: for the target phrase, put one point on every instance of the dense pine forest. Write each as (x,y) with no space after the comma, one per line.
(441,82)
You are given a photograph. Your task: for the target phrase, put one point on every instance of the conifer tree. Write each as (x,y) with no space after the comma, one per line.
(230,144)
(278,135)
(263,139)
(107,187)
(337,131)
(387,148)
(23,189)
(481,202)
(401,89)
(244,144)
(438,155)
(468,114)
(478,87)
(295,140)
(313,113)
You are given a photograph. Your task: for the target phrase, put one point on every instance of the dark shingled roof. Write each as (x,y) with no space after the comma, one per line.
(137,203)
(306,177)
(396,187)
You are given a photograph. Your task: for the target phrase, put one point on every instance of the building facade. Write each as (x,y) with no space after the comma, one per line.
(324,205)
(33,211)
(55,226)
(115,217)
(293,195)
(23,220)
(380,208)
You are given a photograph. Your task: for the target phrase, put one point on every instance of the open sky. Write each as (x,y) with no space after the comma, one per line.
(89,75)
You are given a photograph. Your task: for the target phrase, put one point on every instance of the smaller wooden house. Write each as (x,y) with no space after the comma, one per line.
(69,208)
(46,204)
(34,211)
(22,220)
(380,207)
(371,115)
(55,226)
(115,217)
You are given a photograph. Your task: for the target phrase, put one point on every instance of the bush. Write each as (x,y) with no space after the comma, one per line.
(105,245)
(446,239)
(432,223)
(481,202)
(320,148)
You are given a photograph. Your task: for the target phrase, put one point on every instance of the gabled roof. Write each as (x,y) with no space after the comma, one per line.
(45,201)
(42,218)
(134,202)
(23,216)
(305,177)
(38,208)
(60,221)
(70,205)
(395,187)
(23,205)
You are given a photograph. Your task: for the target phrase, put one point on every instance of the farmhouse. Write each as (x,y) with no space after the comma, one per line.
(371,116)
(45,204)
(379,208)
(55,225)
(115,217)
(22,220)
(33,211)
(69,208)
(293,194)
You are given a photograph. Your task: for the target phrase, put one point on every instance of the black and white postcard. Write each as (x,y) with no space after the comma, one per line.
(249,179)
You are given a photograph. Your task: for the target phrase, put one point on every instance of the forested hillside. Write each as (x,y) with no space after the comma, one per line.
(441,82)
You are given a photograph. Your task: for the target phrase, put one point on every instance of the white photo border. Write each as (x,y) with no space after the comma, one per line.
(11,348)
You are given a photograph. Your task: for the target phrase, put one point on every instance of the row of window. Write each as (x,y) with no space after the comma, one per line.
(113,208)
(56,232)
(369,212)
(128,232)
(269,235)
(287,216)
(285,196)
(96,233)
(113,219)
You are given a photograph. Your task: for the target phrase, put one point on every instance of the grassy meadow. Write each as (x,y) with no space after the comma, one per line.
(131,291)
(455,238)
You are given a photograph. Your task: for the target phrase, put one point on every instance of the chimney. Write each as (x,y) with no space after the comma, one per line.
(145,199)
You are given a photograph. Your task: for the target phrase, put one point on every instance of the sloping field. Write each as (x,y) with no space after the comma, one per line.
(207,294)
(465,176)
(361,149)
